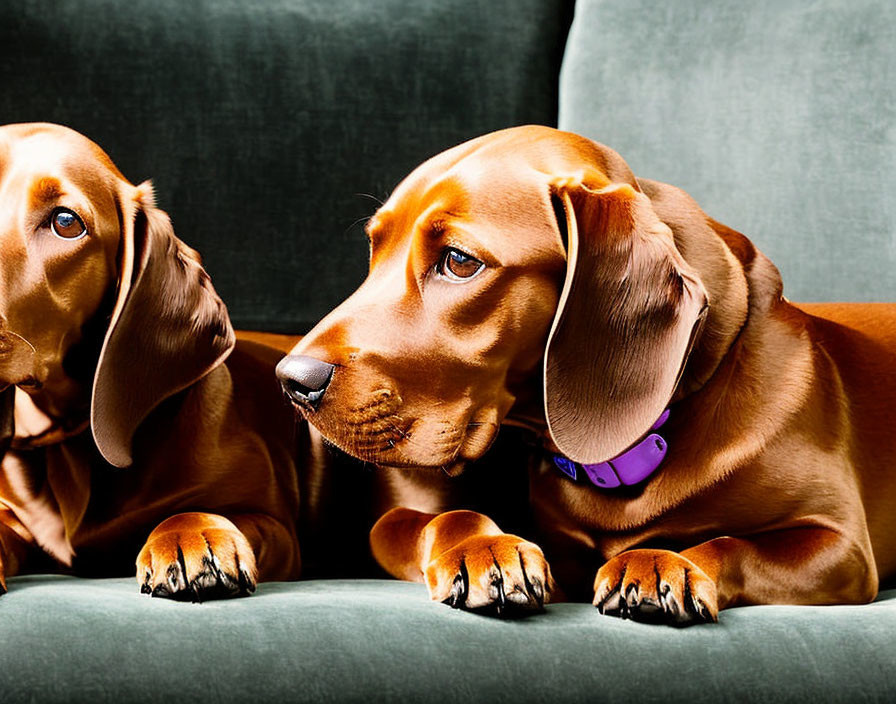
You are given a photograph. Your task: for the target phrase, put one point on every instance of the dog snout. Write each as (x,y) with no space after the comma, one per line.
(304,379)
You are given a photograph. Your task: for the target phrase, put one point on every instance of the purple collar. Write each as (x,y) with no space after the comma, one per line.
(631,467)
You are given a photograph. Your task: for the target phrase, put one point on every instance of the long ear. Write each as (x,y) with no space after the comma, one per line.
(168,329)
(628,315)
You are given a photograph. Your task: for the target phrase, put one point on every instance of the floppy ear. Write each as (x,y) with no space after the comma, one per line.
(628,315)
(168,329)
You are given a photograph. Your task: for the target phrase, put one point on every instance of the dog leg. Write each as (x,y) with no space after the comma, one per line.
(807,564)
(800,565)
(464,559)
(196,557)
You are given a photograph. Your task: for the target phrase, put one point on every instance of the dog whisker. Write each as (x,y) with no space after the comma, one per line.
(372,197)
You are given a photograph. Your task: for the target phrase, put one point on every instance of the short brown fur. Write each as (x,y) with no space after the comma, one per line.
(139,419)
(778,485)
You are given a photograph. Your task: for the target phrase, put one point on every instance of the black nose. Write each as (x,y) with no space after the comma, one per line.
(304,379)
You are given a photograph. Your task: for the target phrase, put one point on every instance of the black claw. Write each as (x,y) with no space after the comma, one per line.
(703,613)
(455,596)
(496,587)
(207,579)
(671,607)
(518,598)
(459,588)
(689,605)
(649,610)
(536,589)
(613,608)
(247,584)
(161,591)
(695,610)
(496,593)
(610,603)
(211,582)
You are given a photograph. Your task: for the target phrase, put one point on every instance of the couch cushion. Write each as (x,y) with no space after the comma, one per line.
(778,116)
(65,639)
(271,128)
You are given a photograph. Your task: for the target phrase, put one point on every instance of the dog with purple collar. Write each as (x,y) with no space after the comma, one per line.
(705,442)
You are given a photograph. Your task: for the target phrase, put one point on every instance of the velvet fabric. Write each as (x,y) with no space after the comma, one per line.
(272,129)
(66,639)
(776,116)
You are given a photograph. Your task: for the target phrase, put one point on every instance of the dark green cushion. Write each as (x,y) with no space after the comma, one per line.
(271,128)
(64,639)
(778,116)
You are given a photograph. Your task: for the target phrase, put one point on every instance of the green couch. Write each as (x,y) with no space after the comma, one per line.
(271,128)
(66,639)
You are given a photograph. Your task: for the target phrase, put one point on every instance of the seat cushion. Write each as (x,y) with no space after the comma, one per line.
(66,639)
(272,129)
(778,116)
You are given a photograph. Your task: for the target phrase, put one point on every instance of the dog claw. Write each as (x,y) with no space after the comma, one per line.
(500,576)
(536,588)
(458,596)
(654,586)
(517,597)
(247,584)
(496,590)
(210,563)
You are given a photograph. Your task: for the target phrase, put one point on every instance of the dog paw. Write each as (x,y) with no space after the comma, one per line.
(502,575)
(655,586)
(196,557)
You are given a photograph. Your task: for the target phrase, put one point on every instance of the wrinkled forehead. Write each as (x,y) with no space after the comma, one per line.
(57,157)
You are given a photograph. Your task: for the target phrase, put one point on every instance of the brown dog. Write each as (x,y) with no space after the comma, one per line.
(527,277)
(109,323)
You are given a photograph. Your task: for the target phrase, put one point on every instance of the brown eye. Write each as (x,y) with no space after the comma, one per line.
(458,266)
(66,224)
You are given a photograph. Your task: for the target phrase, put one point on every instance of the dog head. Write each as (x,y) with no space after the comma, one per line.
(527,254)
(101,306)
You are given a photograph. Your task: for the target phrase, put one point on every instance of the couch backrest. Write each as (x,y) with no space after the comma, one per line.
(778,116)
(271,128)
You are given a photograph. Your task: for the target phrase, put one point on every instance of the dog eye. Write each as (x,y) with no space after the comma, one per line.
(66,224)
(459,266)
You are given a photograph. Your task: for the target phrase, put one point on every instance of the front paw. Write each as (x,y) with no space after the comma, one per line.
(196,557)
(494,574)
(656,586)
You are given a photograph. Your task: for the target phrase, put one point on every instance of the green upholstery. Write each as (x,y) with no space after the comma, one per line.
(64,639)
(271,128)
(776,115)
